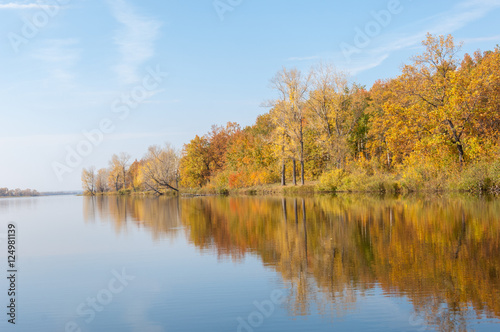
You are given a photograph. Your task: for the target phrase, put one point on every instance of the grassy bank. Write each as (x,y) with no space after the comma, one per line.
(310,187)
(129,192)
(476,178)
(479,178)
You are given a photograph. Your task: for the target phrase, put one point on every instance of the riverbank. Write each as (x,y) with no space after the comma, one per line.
(480,178)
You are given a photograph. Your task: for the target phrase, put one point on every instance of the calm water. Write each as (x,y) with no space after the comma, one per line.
(350,263)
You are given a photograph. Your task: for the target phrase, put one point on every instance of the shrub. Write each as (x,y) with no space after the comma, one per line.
(480,177)
(360,180)
(422,174)
(332,180)
(220,182)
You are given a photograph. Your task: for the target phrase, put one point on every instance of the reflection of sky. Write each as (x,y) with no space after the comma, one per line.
(63,261)
(53,226)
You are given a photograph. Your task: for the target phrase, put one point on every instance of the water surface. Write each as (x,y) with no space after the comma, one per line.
(347,263)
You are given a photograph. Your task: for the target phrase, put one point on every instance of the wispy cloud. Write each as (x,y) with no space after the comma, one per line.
(444,23)
(60,139)
(357,67)
(36,140)
(20,6)
(135,40)
(59,57)
(135,136)
(305,58)
(480,39)
(411,36)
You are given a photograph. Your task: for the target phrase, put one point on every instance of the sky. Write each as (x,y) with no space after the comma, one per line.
(83,79)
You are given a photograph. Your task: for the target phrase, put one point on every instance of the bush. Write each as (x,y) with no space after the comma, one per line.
(123,192)
(360,180)
(480,177)
(220,182)
(332,180)
(420,174)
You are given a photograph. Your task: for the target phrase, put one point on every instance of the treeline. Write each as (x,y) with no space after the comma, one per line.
(6,192)
(435,126)
(157,172)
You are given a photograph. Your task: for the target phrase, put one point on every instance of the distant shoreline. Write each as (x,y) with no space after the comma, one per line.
(39,194)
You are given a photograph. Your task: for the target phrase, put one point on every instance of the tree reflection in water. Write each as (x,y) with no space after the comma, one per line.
(442,253)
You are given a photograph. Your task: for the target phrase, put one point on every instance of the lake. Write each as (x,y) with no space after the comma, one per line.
(322,263)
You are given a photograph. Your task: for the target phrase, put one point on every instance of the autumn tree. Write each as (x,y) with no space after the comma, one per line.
(476,99)
(118,167)
(204,157)
(378,142)
(114,178)
(337,106)
(159,168)
(134,175)
(249,156)
(423,94)
(292,87)
(439,109)
(438,118)
(195,163)
(102,180)
(218,141)
(89,180)
(281,139)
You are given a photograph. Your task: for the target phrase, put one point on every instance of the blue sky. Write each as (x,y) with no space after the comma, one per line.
(67,65)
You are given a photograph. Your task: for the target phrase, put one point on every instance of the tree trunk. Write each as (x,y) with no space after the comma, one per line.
(302,171)
(305,226)
(458,142)
(460,153)
(283,202)
(283,175)
(293,173)
(283,166)
(302,162)
(296,214)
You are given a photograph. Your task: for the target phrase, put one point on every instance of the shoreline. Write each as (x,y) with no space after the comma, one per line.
(291,190)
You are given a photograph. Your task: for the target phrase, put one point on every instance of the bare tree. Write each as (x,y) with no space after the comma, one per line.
(89,180)
(118,167)
(101,180)
(160,168)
